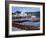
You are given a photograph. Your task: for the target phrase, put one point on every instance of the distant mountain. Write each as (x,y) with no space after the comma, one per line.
(37,14)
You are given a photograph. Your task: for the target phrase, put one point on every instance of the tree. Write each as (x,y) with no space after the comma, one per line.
(28,13)
(18,12)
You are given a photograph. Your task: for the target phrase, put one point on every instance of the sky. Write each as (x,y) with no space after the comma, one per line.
(25,9)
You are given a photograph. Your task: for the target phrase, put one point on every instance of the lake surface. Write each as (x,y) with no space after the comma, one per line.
(28,21)
(32,23)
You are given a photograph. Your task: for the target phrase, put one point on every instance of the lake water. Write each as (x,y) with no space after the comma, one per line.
(32,23)
(29,22)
